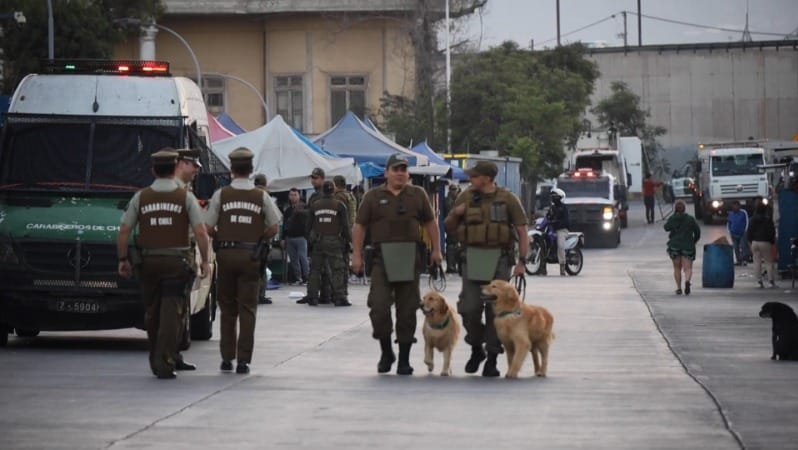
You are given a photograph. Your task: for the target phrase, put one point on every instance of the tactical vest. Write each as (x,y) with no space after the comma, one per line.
(395,218)
(325,217)
(240,215)
(163,219)
(486,222)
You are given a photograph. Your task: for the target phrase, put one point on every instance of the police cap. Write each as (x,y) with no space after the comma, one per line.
(189,154)
(328,187)
(485,168)
(397,159)
(317,172)
(164,157)
(339,181)
(241,154)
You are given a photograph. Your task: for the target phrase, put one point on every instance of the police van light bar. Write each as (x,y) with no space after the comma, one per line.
(150,68)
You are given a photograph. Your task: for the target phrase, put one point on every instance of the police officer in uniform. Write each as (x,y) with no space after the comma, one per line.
(163,212)
(558,221)
(317,177)
(487,220)
(186,169)
(328,228)
(393,215)
(241,221)
(345,197)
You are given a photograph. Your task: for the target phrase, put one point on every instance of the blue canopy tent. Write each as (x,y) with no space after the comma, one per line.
(229,123)
(424,149)
(352,139)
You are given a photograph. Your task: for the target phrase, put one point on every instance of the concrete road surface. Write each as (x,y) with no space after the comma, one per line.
(633,366)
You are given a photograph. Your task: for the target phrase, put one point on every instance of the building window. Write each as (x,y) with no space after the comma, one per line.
(347,93)
(288,91)
(213,93)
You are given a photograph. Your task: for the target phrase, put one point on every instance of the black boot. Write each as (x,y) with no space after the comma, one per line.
(387,358)
(477,356)
(403,367)
(490,370)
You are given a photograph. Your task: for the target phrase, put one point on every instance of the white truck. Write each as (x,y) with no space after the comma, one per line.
(726,172)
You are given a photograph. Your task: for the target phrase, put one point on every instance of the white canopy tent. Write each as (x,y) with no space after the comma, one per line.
(284,158)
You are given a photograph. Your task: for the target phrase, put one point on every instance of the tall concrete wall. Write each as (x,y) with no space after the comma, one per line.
(709,92)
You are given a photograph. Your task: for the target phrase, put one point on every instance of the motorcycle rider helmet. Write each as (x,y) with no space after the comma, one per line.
(557,195)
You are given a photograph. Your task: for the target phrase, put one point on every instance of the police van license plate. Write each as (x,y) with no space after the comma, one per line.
(80,306)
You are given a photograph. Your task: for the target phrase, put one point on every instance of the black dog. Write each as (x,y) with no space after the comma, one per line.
(785,330)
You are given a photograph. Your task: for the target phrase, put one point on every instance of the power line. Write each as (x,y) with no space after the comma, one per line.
(580,29)
(706,27)
(663,19)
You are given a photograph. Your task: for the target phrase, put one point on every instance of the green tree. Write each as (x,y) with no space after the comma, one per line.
(424,116)
(82,29)
(522,103)
(622,111)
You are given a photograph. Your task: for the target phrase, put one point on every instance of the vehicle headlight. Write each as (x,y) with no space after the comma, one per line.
(765,201)
(607,214)
(716,204)
(7,255)
(607,226)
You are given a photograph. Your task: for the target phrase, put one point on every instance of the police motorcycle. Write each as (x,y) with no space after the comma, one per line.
(543,249)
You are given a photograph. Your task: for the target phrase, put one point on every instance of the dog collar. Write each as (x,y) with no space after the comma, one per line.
(515,312)
(442,325)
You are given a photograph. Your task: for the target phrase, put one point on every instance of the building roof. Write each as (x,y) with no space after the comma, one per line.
(242,7)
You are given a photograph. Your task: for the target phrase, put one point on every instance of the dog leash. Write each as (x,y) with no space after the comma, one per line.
(437,278)
(519,282)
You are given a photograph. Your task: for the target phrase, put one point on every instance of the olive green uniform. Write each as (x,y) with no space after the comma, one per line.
(242,213)
(164,212)
(349,201)
(451,238)
(488,223)
(329,234)
(394,218)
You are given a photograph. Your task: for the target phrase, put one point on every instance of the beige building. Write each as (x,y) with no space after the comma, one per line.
(309,60)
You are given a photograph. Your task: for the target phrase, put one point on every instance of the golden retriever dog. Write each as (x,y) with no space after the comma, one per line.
(521,328)
(441,330)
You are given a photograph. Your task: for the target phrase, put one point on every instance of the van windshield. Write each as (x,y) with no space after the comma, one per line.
(80,156)
(596,188)
(736,164)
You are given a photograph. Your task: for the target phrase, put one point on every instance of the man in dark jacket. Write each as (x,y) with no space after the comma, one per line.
(762,236)
(558,220)
(295,219)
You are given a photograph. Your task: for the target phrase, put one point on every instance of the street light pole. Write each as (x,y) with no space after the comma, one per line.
(246,83)
(448,85)
(188,47)
(131,21)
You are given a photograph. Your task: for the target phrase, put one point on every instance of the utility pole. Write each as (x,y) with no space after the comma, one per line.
(625,33)
(639,25)
(558,23)
(746,33)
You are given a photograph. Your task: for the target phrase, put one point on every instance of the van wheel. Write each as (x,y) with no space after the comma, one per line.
(27,333)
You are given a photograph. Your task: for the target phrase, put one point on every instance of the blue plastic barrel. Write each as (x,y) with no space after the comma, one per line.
(718,269)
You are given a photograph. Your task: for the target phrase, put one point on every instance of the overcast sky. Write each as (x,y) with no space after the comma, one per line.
(524,20)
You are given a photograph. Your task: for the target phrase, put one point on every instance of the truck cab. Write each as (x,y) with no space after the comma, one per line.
(727,172)
(75,147)
(593,207)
